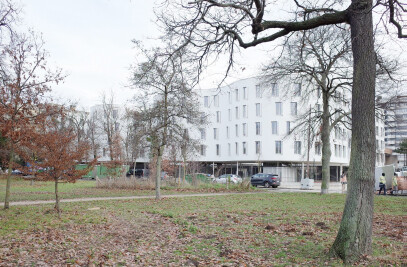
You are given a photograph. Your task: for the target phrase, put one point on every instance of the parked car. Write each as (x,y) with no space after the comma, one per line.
(266,180)
(224,178)
(16,172)
(135,172)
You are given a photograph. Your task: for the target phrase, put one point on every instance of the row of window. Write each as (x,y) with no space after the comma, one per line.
(274,130)
(340,151)
(259,94)
(258,110)
(379,131)
(257,147)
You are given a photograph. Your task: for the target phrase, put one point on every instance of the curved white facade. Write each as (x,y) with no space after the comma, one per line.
(249,123)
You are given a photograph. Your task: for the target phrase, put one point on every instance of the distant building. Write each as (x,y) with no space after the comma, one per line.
(248,132)
(396,130)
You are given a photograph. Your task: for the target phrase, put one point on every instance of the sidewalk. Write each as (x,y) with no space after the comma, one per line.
(334,187)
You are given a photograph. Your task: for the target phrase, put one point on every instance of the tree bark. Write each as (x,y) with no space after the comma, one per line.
(57,199)
(355,232)
(326,143)
(158,173)
(8,184)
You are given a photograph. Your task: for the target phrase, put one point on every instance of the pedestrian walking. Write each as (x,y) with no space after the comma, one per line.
(394,184)
(382,184)
(343,182)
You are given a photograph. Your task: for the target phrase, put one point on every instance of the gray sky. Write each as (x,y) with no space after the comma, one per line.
(91,41)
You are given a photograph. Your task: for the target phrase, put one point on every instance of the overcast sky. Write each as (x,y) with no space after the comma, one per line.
(91,41)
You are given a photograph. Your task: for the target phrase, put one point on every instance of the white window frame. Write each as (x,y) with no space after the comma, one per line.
(258,109)
(258,127)
(274,127)
(297,147)
(279,147)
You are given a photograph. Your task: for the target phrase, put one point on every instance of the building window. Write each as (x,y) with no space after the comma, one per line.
(216,100)
(279,108)
(115,113)
(237,94)
(274,89)
(206,101)
(237,112)
(344,151)
(229,153)
(217,150)
(236,130)
(217,116)
(215,133)
(229,114)
(317,148)
(258,147)
(258,91)
(293,108)
(244,126)
(244,148)
(258,109)
(104,152)
(297,89)
(237,148)
(297,147)
(244,111)
(274,127)
(230,97)
(258,130)
(203,133)
(288,124)
(244,93)
(227,132)
(336,150)
(339,150)
(203,150)
(278,147)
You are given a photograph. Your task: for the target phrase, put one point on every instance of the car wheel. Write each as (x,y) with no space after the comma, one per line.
(266,185)
(274,186)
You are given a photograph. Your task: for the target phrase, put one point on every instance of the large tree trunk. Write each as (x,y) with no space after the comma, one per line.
(8,184)
(57,199)
(326,144)
(355,232)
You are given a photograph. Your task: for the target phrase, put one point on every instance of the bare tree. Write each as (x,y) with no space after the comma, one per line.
(77,121)
(319,62)
(107,122)
(167,102)
(214,26)
(135,142)
(93,134)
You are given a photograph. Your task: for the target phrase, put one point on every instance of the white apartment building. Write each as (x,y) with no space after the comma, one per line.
(249,126)
(396,130)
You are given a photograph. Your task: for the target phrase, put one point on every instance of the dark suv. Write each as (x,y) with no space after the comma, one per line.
(135,172)
(266,180)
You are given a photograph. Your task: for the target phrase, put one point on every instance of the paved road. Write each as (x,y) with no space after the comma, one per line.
(263,190)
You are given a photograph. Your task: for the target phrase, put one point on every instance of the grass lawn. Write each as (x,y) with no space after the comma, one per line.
(22,190)
(247,230)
